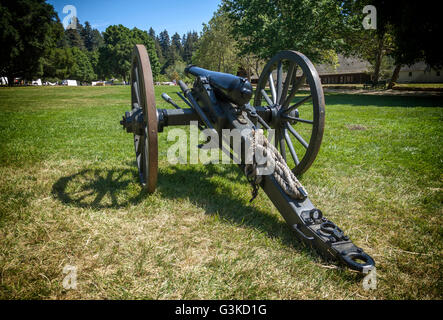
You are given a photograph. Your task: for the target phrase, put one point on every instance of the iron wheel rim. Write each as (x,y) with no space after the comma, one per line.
(143,97)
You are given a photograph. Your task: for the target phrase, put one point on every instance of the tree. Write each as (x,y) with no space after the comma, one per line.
(158,49)
(26,35)
(177,45)
(151,33)
(216,48)
(94,57)
(116,54)
(87,36)
(165,44)
(176,71)
(97,39)
(372,45)
(415,28)
(58,64)
(265,27)
(142,37)
(171,50)
(406,32)
(82,69)
(74,36)
(189,44)
(251,64)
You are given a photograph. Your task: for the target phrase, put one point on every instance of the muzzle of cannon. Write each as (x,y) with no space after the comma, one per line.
(219,101)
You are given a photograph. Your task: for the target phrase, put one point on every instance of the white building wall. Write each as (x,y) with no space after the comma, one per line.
(420,76)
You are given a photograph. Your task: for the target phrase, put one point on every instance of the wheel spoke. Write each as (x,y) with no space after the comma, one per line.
(277,138)
(145,152)
(298,119)
(279,80)
(137,144)
(288,81)
(137,93)
(297,136)
(263,122)
(144,159)
(297,84)
(272,86)
(140,156)
(295,106)
(265,95)
(138,151)
(291,148)
(136,82)
(282,143)
(136,74)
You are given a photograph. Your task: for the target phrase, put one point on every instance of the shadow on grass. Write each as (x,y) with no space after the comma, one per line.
(101,189)
(98,189)
(217,197)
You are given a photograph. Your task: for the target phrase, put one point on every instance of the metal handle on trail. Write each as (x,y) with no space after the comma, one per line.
(169,100)
(195,106)
(351,260)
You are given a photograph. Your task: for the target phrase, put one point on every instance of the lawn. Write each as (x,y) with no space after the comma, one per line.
(69,196)
(420,85)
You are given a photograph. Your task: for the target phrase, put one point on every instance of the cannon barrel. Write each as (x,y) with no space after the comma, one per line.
(235,89)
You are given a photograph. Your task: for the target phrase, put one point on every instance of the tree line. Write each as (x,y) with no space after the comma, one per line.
(406,31)
(241,36)
(36,45)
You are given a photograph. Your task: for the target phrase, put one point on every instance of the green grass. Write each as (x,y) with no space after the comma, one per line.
(420,85)
(69,195)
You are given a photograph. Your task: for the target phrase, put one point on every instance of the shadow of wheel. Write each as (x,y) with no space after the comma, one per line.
(99,189)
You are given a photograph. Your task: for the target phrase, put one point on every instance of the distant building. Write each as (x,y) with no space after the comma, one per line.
(419,73)
(354,70)
(349,70)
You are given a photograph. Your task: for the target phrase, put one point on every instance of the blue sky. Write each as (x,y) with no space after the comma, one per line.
(172,15)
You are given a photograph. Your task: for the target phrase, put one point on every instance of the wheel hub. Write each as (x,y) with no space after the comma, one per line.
(279,119)
(133,121)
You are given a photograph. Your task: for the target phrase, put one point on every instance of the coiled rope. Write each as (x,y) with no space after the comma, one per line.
(282,174)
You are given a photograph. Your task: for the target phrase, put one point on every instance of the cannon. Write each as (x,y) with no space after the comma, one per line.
(219,101)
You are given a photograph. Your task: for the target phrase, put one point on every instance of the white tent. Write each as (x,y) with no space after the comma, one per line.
(37,82)
(72,83)
(3,81)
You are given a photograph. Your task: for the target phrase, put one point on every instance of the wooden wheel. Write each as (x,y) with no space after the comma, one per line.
(143,97)
(298,121)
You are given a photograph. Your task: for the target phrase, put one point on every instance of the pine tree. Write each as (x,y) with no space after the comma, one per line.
(87,36)
(165,44)
(177,45)
(97,39)
(189,44)
(151,33)
(73,37)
